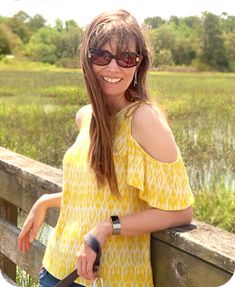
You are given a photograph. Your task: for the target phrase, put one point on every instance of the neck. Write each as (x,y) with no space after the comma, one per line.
(118,104)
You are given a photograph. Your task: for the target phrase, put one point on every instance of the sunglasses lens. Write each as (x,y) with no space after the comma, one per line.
(103,58)
(128,59)
(100,57)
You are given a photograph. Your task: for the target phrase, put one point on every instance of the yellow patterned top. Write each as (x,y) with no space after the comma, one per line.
(142,180)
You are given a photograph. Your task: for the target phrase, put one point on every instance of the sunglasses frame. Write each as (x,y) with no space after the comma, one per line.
(111,56)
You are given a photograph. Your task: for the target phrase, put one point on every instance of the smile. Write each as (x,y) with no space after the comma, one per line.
(112,80)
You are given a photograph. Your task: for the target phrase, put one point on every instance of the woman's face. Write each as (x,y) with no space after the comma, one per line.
(115,80)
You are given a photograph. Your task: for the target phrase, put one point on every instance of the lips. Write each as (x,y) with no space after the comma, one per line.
(111,80)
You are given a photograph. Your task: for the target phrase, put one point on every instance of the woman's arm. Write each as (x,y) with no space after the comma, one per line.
(50,200)
(147,221)
(36,218)
(154,219)
(144,222)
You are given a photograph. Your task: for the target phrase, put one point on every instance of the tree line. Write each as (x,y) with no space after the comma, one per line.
(205,42)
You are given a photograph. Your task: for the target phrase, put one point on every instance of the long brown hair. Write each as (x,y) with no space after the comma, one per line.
(102,29)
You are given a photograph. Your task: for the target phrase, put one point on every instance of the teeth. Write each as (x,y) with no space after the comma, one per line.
(112,80)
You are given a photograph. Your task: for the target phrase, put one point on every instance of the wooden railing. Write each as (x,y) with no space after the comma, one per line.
(196,255)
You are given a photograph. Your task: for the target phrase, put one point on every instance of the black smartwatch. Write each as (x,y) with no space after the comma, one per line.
(116,224)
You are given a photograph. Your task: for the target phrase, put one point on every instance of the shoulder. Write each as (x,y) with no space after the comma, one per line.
(152,132)
(80,114)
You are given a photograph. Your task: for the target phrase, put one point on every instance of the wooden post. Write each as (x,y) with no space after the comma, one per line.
(8,212)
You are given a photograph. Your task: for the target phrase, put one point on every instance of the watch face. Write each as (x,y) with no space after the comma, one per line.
(116,224)
(115,219)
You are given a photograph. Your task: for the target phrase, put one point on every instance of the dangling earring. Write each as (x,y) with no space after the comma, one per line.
(135,78)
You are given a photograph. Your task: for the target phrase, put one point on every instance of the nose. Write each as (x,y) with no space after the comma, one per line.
(112,66)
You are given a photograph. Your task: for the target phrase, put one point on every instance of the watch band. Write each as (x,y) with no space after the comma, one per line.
(116,224)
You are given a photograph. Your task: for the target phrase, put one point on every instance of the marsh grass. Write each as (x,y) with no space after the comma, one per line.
(217,206)
(200,109)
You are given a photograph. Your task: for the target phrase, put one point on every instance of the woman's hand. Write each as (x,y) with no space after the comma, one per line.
(85,261)
(86,256)
(32,224)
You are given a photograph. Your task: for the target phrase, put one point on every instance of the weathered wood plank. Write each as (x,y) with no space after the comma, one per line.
(24,180)
(202,240)
(174,267)
(35,178)
(30,261)
(8,212)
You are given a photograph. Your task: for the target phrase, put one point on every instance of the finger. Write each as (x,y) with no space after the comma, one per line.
(79,266)
(26,228)
(90,274)
(20,240)
(23,245)
(19,243)
(84,267)
(24,232)
(33,234)
(27,243)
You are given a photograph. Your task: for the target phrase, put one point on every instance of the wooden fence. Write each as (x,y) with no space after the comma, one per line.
(196,255)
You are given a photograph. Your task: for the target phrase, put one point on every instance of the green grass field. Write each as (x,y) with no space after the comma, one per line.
(37,119)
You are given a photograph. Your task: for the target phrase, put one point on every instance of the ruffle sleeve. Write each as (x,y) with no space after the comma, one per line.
(161,185)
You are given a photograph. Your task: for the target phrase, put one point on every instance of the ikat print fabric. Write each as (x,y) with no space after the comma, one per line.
(142,181)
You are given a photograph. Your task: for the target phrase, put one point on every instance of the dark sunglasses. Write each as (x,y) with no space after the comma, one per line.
(103,57)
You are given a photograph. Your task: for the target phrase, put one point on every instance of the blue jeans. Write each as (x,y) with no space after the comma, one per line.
(48,280)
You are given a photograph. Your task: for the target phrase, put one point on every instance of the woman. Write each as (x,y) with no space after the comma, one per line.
(123,177)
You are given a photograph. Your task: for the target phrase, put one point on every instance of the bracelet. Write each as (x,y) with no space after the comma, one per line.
(92,242)
(116,224)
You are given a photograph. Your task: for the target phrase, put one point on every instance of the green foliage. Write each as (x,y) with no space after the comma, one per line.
(228,23)
(213,52)
(216,207)
(192,22)
(56,45)
(153,22)
(206,43)
(35,23)
(162,39)
(177,39)
(203,43)
(18,25)
(5,47)
(67,62)
(164,58)
(24,280)
(229,43)
(184,48)
(42,52)
(14,42)
(42,46)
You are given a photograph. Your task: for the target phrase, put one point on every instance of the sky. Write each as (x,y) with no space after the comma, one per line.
(141,9)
